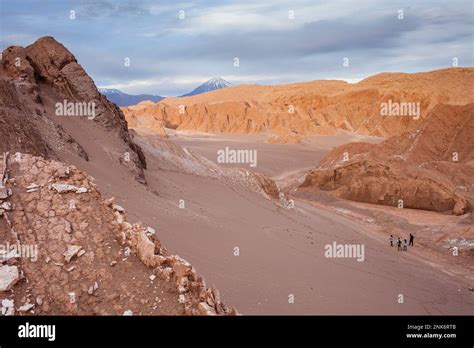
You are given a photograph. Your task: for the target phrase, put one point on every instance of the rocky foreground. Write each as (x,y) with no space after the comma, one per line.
(89,259)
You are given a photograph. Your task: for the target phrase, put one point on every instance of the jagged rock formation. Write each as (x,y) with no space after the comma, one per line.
(289,112)
(89,259)
(19,127)
(430,168)
(32,80)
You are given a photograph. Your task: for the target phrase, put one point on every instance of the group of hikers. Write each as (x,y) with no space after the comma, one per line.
(402,245)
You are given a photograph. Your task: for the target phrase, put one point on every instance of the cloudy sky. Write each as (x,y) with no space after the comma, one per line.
(173,46)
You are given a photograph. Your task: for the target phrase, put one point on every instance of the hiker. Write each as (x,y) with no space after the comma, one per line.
(405,245)
(391,240)
(412,237)
(399,244)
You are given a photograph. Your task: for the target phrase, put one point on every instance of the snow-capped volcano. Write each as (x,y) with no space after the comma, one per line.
(211,85)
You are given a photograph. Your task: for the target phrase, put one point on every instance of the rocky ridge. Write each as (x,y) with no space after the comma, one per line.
(290,112)
(32,80)
(430,168)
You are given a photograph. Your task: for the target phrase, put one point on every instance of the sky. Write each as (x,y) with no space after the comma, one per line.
(173,46)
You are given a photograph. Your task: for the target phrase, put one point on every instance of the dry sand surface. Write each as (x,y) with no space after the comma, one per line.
(274,160)
(281,251)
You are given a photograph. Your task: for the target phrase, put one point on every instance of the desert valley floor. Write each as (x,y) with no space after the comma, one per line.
(281,251)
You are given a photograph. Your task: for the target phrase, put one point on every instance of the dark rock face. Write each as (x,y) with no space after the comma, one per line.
(47,70)
(17,125)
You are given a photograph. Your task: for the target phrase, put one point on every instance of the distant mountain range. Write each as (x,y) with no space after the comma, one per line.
(123,99)
(211,85)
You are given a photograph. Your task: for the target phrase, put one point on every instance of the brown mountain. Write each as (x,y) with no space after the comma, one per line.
(32,81)
(322,107)
(429,168)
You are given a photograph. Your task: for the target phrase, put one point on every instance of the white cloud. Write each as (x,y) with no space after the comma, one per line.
(247,16)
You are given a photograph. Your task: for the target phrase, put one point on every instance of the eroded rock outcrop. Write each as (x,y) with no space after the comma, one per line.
(32,81)
(431,168)
(142,122)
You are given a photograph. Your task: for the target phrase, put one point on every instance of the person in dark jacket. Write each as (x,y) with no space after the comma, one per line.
(412,238)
